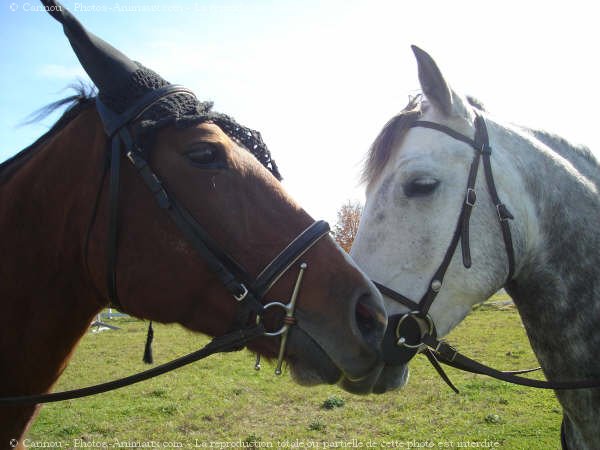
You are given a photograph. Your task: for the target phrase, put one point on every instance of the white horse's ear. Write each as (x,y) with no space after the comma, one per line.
(435,87)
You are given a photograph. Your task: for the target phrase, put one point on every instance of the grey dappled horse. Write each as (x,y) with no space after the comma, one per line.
(416,179)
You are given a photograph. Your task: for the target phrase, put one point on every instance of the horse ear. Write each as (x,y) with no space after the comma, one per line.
(434,85)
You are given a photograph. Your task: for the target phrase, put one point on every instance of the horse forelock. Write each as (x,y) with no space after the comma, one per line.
(381,149)
(476,103)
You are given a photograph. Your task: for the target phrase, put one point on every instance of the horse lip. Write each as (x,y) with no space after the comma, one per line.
(354,373)
(355,379)
(359,383)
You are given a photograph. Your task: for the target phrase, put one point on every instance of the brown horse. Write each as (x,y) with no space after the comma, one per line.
(54,220)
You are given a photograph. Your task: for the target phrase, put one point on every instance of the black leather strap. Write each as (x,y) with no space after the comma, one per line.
(282,262)
(449,355)
(504,215)
(446,130)
(563,435)
(114,122)
(436,365)
(397,296)
(113,224)
(470,199)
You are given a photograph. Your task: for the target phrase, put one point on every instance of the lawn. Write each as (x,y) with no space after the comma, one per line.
(223,402)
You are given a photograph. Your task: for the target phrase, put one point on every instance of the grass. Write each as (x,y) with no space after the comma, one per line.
(223,399)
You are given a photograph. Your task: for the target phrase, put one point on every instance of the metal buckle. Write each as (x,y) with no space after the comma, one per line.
(471,193)
(503,213)
(446,346)
(242,296)
(137,162)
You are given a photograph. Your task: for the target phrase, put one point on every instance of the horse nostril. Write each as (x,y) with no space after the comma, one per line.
(369,324)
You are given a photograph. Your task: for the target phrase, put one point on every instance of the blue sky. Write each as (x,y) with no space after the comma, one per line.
(319,78)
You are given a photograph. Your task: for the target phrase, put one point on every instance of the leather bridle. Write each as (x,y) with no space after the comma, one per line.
(247,292)
(414,332)
(405,331)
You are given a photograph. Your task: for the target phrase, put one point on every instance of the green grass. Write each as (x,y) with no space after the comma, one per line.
(224,399)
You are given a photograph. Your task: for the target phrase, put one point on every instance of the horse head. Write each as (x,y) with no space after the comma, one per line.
(422,185)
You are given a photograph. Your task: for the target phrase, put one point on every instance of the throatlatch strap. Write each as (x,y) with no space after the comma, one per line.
(504,215)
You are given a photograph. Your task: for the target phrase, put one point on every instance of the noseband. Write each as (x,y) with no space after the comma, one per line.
(247,292)
(406,332)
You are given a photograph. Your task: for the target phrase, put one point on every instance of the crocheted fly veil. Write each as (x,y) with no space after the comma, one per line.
(121,82)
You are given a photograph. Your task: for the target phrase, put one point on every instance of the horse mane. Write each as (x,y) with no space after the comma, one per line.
(565,148)
(476,103)
(83,99)
(380,151)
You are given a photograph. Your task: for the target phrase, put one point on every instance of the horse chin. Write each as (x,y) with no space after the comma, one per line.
(391,378)
(310,365)
(379,381)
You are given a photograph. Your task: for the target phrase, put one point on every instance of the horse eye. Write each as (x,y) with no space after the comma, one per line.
(206,156)
(420,186)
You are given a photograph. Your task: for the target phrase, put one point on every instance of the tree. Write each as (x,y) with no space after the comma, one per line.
(348,218)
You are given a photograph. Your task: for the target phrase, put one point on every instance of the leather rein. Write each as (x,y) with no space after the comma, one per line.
(248,292)
(414,332)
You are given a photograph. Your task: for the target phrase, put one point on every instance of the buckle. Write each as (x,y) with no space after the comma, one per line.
(503,212)
(242,296)
(471,197)
(442,348)
(138,162)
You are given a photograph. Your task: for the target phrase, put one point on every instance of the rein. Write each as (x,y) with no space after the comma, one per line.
(228,342)
(414,332)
